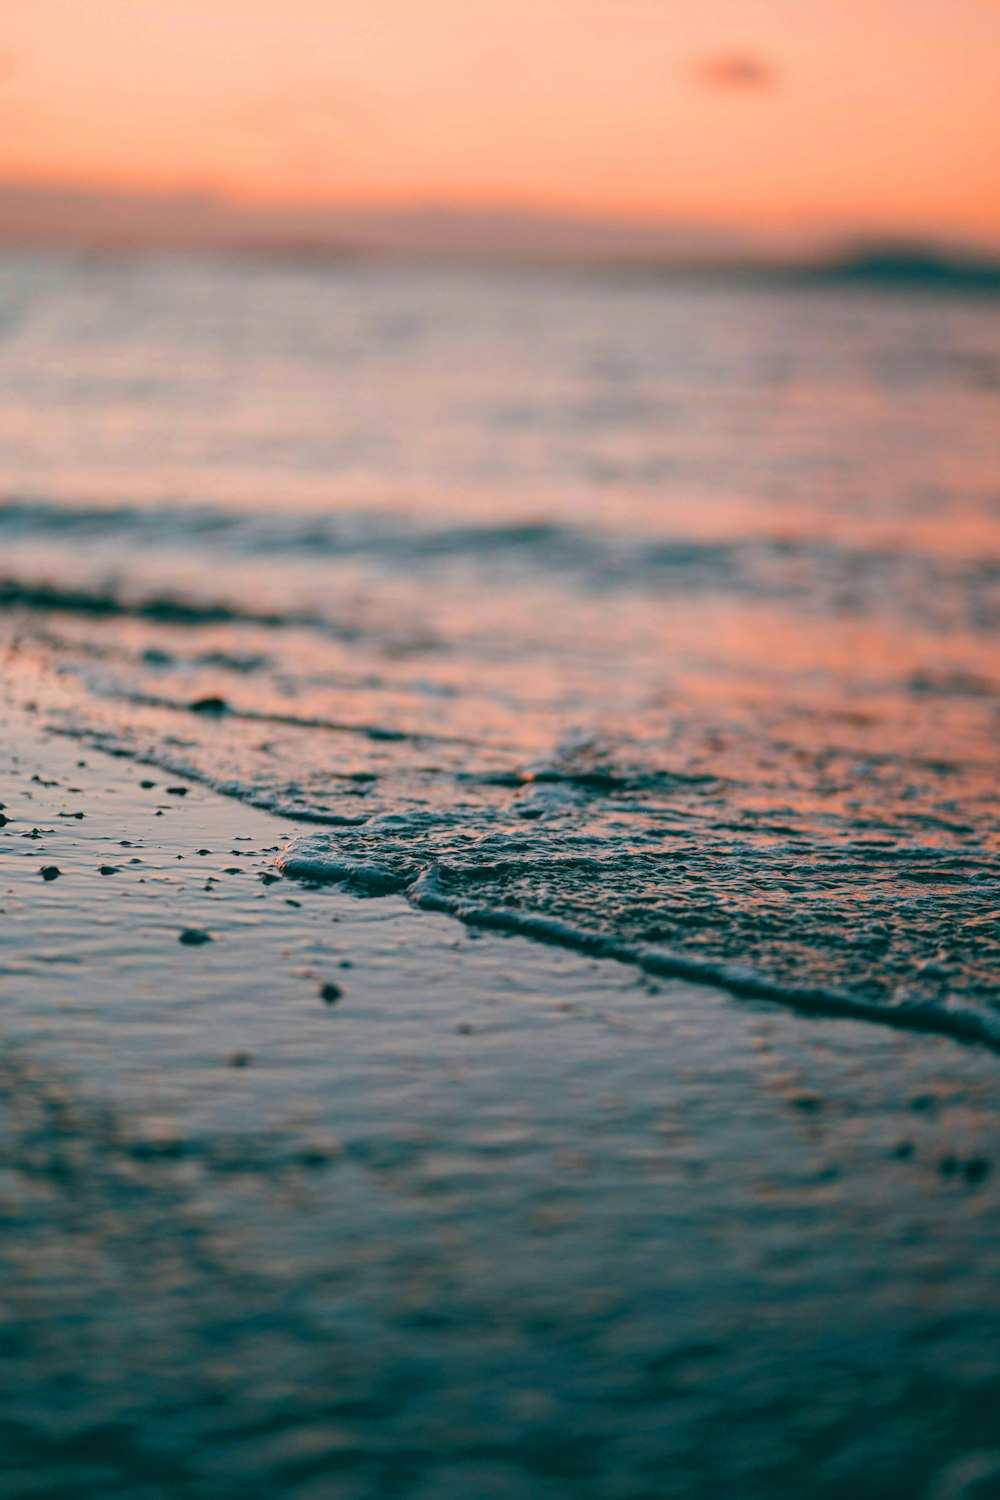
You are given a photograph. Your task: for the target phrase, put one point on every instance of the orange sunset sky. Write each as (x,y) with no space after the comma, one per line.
(877,114)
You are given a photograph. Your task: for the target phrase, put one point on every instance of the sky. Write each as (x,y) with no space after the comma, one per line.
(871,114)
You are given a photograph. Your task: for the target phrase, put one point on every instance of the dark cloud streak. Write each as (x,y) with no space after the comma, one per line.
(737,72)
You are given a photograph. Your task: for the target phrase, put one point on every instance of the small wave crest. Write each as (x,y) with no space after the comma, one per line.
(812,571)
(310,858)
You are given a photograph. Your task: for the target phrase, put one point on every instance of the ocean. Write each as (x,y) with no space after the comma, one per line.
(454,722)
(648,616)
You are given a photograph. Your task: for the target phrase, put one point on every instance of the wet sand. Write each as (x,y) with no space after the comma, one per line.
(306,1195)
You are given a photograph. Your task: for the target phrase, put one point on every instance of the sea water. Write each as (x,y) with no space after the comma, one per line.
(633,612)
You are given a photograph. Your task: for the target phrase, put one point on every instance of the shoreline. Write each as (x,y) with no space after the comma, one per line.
(306,857)
(375,1241)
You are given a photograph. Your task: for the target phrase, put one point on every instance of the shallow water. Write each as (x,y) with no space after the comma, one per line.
(500,1221)
(622,612)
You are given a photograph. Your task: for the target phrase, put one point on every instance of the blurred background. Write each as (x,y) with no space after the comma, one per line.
(711,131)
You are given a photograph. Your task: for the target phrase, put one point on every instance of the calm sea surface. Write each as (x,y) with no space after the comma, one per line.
(620,611)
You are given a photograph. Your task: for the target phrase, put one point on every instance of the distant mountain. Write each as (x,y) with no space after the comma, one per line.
(901,265)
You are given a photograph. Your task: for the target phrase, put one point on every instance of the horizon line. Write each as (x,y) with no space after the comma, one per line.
(57,211)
